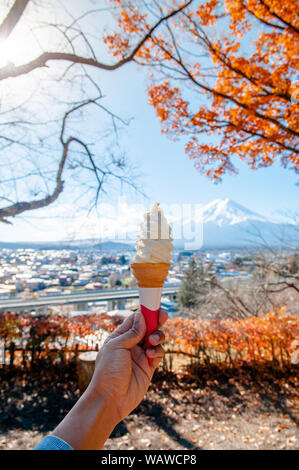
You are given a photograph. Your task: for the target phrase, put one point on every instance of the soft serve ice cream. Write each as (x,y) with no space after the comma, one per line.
(153,249)
(151,265)
(154,244)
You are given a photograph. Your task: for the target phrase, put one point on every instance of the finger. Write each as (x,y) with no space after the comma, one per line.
(155,363)
(140,358)
(158,356)
(157,337)
(156,351)
(163,317)
(138,354)
(134,335)
(125,326)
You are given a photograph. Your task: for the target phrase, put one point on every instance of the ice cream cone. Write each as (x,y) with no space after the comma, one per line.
(150,274)
(150,278)
(151,265)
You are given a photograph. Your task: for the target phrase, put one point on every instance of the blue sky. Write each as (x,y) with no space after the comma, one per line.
(168,176)
(171,176)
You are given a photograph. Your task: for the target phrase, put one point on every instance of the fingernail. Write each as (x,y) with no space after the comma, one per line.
(155,337)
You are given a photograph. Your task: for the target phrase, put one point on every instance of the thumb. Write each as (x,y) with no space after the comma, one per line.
(135,334)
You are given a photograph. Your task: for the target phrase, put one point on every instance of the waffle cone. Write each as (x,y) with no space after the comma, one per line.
(150,274)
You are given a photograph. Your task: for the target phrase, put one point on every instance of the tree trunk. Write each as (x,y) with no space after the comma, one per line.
(85,368)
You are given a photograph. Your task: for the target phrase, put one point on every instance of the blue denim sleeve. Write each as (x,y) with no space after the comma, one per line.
(52,443)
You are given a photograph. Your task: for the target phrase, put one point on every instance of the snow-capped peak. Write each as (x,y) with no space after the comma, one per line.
(227,212)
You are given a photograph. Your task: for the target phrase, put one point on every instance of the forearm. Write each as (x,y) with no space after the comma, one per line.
(89,423)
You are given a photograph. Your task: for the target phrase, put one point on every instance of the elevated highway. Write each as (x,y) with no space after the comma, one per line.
(112,296)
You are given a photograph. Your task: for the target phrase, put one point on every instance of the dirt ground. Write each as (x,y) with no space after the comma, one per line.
(235,410)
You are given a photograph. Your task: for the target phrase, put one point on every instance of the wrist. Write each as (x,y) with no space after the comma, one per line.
(89,423)
(103,403)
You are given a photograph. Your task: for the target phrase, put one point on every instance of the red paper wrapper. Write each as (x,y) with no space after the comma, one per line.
(150,301)
(151,320)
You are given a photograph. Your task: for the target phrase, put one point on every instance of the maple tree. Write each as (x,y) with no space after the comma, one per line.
(222,76)
(269,338)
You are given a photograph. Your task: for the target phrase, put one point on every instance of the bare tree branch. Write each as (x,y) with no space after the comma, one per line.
(41,61)
(12,18)
(23,206)
(236,301)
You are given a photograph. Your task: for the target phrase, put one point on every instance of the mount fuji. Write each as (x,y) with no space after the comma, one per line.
(225,223)
(222,223)
(228,212)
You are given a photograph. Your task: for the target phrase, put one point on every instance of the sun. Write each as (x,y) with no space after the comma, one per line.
(14,50)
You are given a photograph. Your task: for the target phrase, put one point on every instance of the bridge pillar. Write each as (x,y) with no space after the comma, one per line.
(82,306)
(121,304)
(43,310)
(110,305)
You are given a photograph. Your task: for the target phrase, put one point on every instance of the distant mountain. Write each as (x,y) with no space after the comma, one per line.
(228,212)
(229,224)
(88,244)
(226,224)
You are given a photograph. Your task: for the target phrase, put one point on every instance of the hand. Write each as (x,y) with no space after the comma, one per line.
(122,373)
(120,380)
